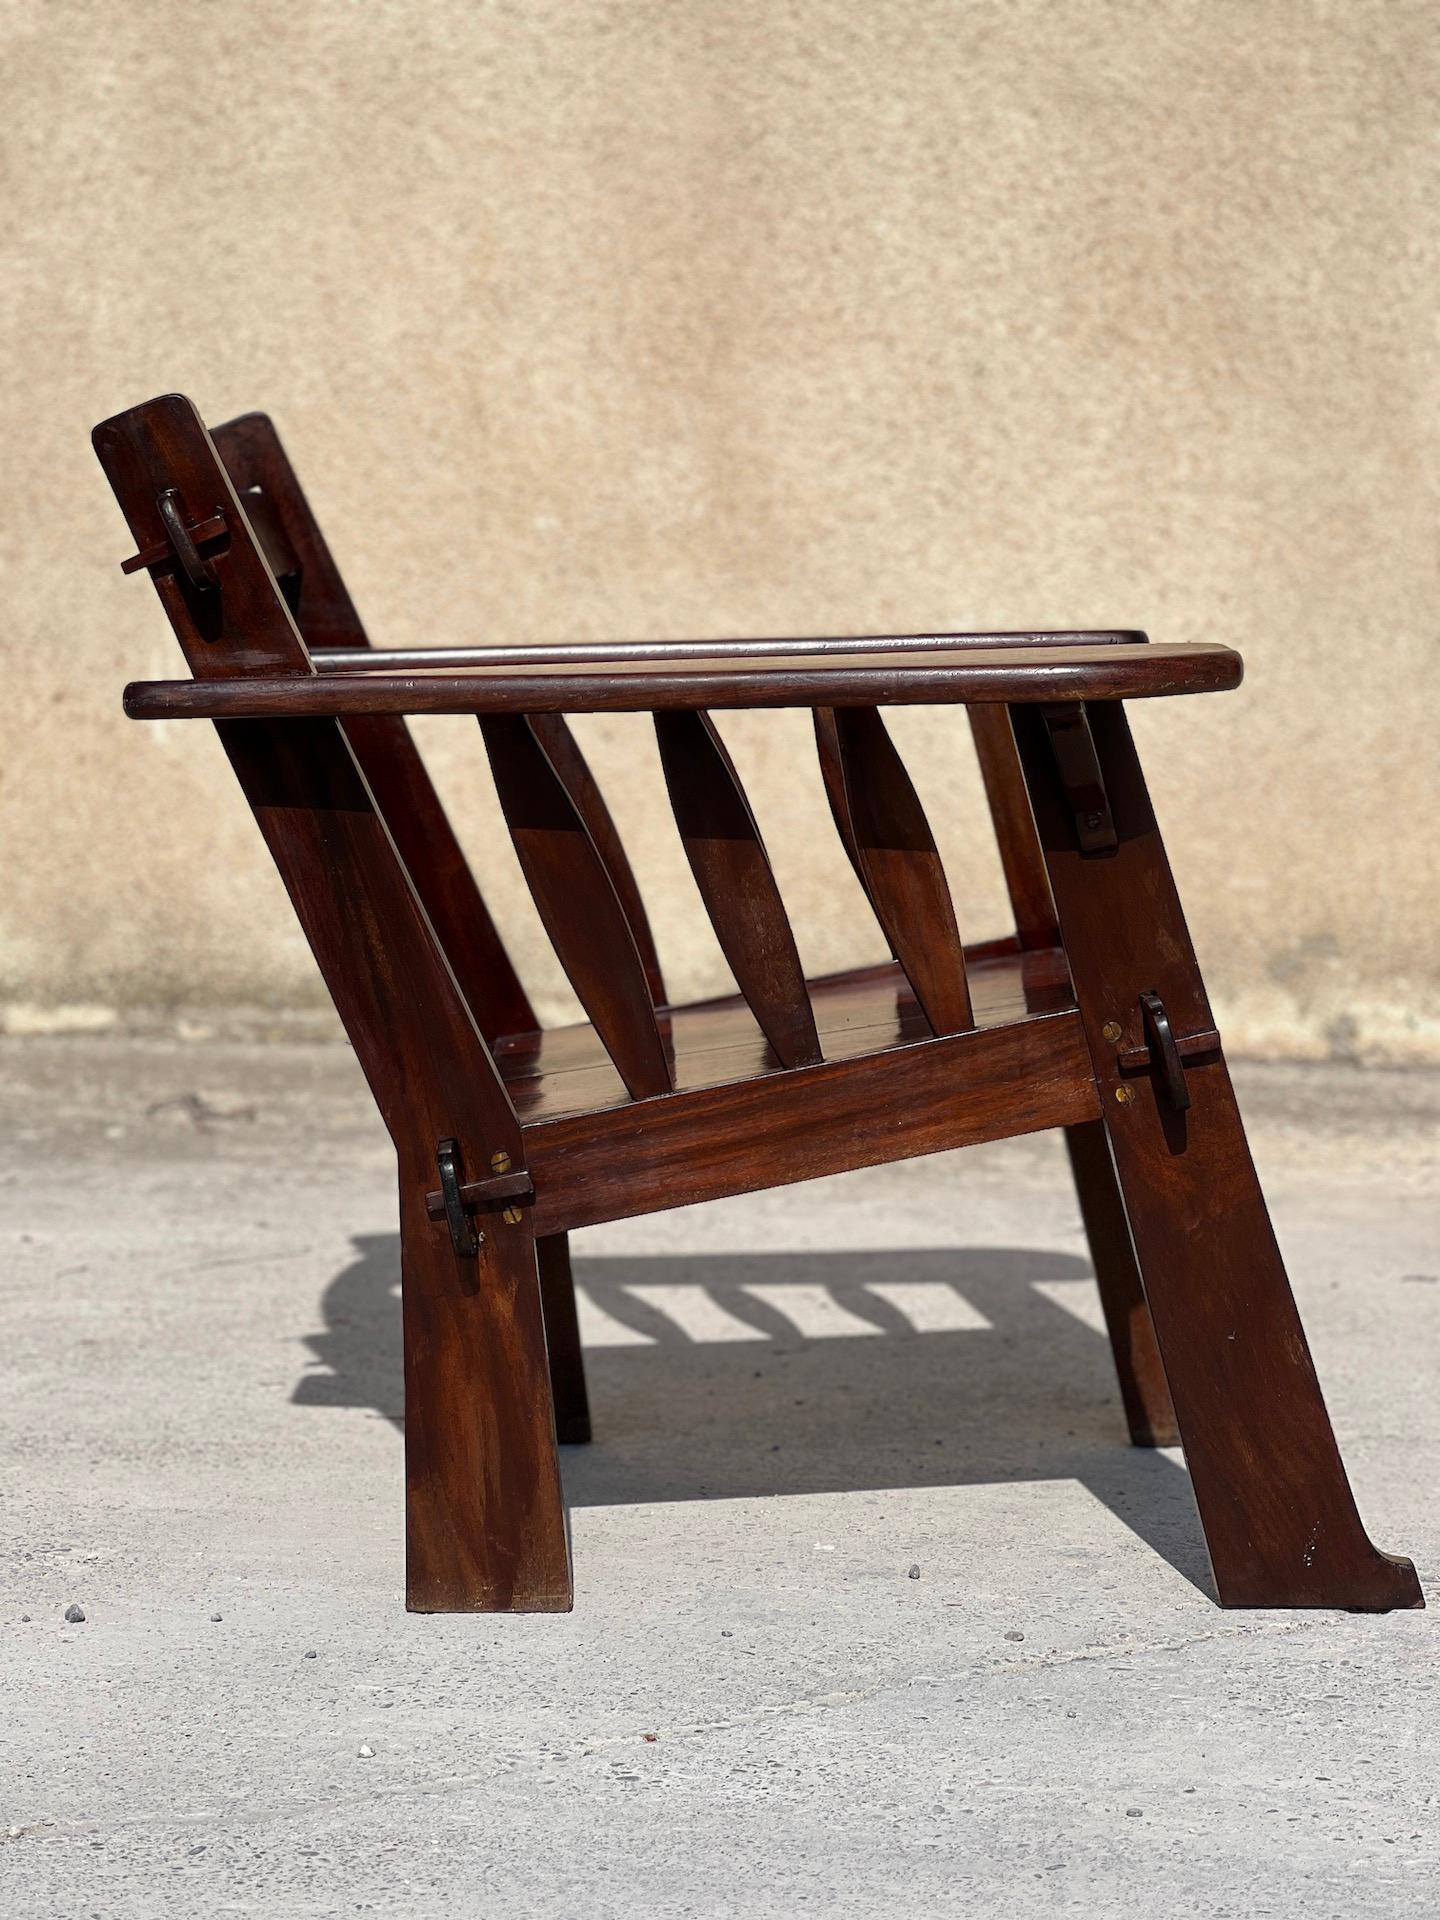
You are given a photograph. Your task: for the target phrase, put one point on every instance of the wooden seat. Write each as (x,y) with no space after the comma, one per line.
(1091,1018)
(566,1070)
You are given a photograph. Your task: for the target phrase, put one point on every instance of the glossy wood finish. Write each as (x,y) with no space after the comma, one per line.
(749,1134)
(562,1341)
(551,1136)
(895,854)
(573,771)
(1041,674)
(575,896)
(484,1521)
(600,653)
(1279,1517)
(1143,1391)
(732,871)
(295,549)
(567,1070)
(832,773)
(1020,857)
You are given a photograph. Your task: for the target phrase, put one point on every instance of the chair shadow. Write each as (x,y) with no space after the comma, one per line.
(720,1376)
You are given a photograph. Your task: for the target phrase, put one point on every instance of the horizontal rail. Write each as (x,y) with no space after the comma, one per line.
(600,653)
(1011,675)
(682,1148)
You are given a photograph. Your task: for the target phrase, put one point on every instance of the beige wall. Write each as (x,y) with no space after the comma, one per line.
(626,320)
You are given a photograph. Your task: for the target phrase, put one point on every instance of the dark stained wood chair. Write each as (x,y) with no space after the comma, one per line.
(1092,1017)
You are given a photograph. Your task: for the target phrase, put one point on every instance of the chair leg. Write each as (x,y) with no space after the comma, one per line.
(1280,1520)
(484,1516)
(1141,1373)
(562,1340)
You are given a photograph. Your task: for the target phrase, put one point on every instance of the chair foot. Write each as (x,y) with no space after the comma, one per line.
(562,1341)
(1141,1373)
(484,1516)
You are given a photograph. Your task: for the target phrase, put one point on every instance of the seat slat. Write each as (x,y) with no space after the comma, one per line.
(732,871)
(896,856)
(575,895)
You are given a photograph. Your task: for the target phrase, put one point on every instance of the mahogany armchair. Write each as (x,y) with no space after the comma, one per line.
(1092,1017)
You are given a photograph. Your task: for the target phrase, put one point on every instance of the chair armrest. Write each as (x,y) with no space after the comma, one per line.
(667,652)
(858,676)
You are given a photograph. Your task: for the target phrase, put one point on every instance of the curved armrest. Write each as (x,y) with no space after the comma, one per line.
(857,677)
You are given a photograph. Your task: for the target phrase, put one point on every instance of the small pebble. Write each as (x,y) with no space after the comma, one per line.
(74,1613)
(25,1617)
(725,1633)
(1133,1813)
(308,1656)
(217,1616)
(1014,1634)
(650,1738)
(914,1569)
(367,1752)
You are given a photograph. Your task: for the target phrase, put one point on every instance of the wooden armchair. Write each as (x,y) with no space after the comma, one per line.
(1092,1017)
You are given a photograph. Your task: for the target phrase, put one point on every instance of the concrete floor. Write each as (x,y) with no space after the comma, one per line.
(754,1709)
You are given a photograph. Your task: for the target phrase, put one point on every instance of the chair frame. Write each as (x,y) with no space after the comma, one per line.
(1091,1017)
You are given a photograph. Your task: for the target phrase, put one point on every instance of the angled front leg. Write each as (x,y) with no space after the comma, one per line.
(1279,1517)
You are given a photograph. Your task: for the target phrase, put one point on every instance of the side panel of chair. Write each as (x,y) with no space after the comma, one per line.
(290,537)
(485,1522)
(1278,1513)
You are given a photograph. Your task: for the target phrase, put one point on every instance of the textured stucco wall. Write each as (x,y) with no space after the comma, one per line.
(625,320)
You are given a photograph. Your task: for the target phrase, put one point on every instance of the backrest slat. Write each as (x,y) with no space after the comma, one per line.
(899,864)
(1021,856)
(732,871)
(575,895)
(573,771)
(316,594)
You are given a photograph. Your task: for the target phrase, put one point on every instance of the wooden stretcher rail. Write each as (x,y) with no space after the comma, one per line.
(717,1141)
(1012,675)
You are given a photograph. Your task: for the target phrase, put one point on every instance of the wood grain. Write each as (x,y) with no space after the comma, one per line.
(901,869)
(732,871)
(1279,1517)
(485,1525)
(323,610)
(798,1125)
(1013,674)
(575,896)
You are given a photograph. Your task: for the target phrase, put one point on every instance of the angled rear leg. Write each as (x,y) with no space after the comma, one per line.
(1143,1391)
(1141,1373)
(1280,1520)
(562,1340)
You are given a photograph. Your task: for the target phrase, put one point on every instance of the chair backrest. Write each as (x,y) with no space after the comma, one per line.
(307,783)
(285,606)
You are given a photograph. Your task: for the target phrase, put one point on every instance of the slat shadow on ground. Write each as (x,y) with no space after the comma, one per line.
(723,1376)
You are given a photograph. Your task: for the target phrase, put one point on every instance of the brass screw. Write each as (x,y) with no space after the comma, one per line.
(500,1163)
(1112,1029)
(1124,1095)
